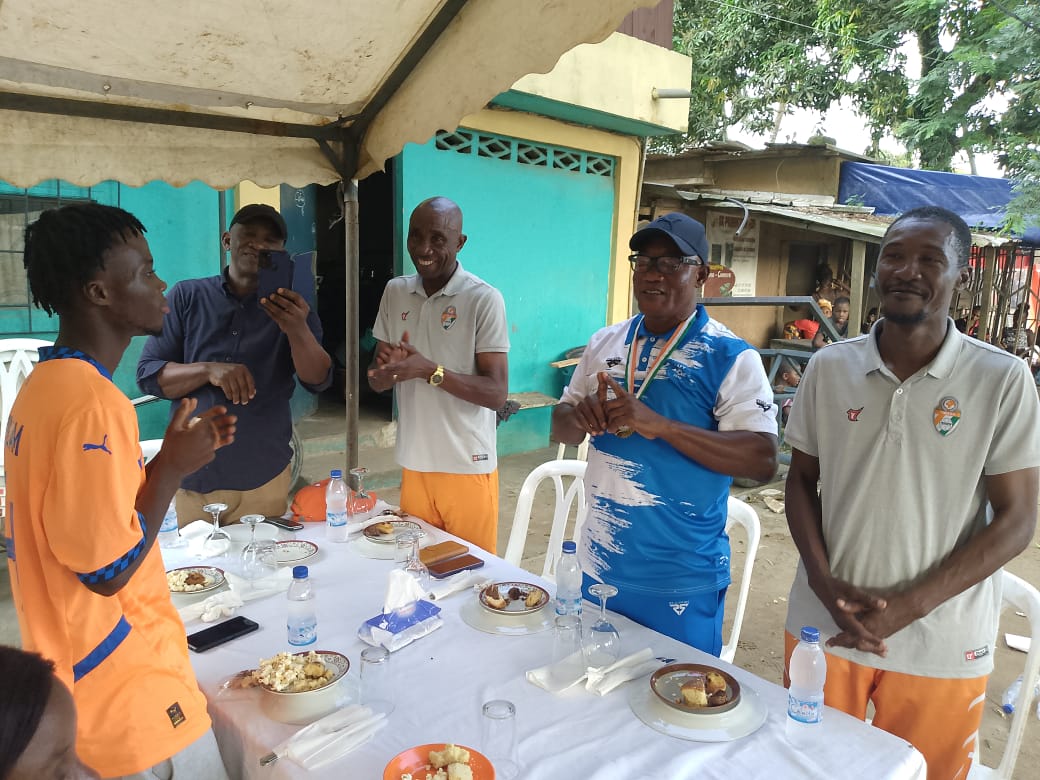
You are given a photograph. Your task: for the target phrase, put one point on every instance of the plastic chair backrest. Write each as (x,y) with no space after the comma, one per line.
(17,359)
(1019,595)
(583,450)
(566,497)
(739,513)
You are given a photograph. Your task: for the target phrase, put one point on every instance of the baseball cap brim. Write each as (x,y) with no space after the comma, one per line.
(255,211)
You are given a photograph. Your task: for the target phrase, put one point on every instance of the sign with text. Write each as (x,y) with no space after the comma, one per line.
(739,254)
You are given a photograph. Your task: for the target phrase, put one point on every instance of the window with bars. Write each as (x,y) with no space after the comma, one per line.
(520,152)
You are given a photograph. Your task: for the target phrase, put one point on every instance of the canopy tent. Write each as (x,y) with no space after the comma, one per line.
(270,92)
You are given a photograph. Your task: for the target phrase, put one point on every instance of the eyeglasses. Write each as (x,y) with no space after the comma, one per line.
(665,264)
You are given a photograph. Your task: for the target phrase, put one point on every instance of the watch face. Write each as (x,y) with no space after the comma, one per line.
(438,376)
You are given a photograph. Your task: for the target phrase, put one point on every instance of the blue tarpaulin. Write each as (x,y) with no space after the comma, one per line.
(980,200)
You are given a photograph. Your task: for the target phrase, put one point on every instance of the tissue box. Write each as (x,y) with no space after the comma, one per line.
(401,627)
(401,620)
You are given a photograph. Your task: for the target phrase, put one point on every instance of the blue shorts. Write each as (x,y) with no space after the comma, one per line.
(694,619)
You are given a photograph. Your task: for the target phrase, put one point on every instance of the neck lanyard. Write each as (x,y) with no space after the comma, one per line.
(651,371)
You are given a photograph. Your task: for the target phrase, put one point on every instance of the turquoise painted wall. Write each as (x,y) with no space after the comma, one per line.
(542,236)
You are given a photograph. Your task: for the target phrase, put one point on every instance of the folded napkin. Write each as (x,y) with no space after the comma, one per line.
(441,589)
(195,534)
(564,674)
(274,583)
(405,616)
(605,679)
(224,603)
(332,737)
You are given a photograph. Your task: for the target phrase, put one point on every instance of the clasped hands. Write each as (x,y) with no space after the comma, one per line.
(866,619)
(399,362)
(612,409)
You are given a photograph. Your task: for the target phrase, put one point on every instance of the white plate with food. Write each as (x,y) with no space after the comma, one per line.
(300,687)
(696,689)
(194,579)
(385,531)
(513,598)
(475,615)
(746,717)
(294,551)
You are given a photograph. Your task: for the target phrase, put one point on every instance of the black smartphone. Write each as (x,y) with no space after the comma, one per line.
(443,569)
(209,638)
(274,270)
(287,523)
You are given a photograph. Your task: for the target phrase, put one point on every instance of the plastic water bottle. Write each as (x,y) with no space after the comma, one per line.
(568,582)
(805,697)
(336,507)
(169,536)
(303,622)
(1011,696)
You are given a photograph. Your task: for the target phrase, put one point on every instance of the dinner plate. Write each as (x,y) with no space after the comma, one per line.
(294,551)
(239,533)
(214,579)
(744,719)
(416,759)
(504,624)
(514,606)
(374,534)
(667,683)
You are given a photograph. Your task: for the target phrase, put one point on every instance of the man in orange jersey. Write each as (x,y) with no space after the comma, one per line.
(83,511)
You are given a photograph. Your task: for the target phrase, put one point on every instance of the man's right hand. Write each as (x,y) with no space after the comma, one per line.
(234,379)
(191,442)
(849,606)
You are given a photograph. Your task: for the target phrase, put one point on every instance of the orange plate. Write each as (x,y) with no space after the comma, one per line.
(415,760)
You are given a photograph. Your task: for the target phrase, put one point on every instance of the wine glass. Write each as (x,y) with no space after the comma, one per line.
(218,540)
(357,503)
(252,554)
(602,646)
(414,565)
(259,559)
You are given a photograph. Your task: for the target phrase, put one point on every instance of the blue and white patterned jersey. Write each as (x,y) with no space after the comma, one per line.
(656,519)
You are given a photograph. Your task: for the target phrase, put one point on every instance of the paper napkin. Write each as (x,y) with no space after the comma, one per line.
(332,737)
(226,602)
(464,580)
(561,675)
(605,679)
(195,534)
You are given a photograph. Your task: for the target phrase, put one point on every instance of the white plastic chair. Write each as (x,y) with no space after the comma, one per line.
(1019,595)
(17,358)
(566,498)
(741,514)
(583,450)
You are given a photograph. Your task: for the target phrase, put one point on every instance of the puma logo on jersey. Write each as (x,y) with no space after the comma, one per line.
(102,446)
(678,607)
(765,406)
(854,414)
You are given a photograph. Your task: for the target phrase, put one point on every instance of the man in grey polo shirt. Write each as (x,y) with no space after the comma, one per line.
(443,347)
(926,445)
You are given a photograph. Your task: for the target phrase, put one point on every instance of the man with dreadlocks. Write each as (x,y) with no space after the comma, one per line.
(83,511)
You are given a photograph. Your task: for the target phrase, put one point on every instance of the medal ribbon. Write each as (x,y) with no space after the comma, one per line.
(651,371)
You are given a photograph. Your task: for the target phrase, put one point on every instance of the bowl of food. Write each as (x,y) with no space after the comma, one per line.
(696,688)
(300,687)
(194,579)
(513,598)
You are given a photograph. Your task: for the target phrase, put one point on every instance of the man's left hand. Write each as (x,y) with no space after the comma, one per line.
(899,612)
(624,410)
(288,309)
(405,363)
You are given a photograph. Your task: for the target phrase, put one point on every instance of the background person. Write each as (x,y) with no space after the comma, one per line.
(676,406)
(83,512)
(443,345)
(221,344)
(913,479)
(839,317)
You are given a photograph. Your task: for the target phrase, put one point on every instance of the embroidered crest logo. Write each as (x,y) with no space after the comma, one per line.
(448,317)
(404,315)
(946,415)
(678,607)
(854,414)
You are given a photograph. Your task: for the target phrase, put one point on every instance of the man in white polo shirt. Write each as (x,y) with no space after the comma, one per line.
(926,445)
(443,345)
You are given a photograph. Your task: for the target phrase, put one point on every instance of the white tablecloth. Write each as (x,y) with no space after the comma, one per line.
(443,679)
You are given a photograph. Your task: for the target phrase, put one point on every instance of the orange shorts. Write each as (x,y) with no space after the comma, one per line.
(937,716)
(462,504)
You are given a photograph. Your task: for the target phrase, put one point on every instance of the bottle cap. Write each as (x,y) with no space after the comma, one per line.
(810,634)
(1009,709)
(336,474)
(569,547)
(299,572)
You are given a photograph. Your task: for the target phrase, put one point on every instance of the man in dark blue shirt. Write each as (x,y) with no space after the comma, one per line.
(221,344)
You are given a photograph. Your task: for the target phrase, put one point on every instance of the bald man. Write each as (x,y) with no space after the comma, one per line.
(443,346)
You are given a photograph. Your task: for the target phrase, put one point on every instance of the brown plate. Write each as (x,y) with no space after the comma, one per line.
(667,682)
(516,606)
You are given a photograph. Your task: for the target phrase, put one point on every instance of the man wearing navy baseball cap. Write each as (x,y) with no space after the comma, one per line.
(222,344)
(676,405)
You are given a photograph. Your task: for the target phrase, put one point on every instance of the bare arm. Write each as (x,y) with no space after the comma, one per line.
(176,380)
(571,422)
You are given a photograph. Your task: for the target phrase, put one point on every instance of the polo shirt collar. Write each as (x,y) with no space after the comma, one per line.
(941,365)
(454,285)
(225,287)
(700,319)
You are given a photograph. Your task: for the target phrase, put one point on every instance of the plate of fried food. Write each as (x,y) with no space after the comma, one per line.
(513,598)
(696,688)
(439,762)
(386,530)
(296,687)
(194,579)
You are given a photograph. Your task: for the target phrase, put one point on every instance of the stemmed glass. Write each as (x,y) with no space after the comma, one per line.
(218,540)
(357,502)
(602,646)
(414,565)
(255,555)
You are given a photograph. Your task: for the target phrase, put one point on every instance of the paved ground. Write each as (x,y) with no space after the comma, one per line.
(761,642)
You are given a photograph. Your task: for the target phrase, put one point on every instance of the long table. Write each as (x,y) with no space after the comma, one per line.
(443,679)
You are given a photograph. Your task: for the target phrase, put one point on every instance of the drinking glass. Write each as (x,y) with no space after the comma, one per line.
(568,663)
(498,738)
(602,646)
(259,559)
(413,564)
(219,540)
(377,682)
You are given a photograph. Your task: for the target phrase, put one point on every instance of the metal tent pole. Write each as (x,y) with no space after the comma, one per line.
(352,261)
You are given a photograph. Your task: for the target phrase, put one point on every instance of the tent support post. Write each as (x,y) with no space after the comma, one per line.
(859,257)
(352,259)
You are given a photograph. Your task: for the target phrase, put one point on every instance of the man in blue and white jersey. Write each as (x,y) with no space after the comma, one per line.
(676,405)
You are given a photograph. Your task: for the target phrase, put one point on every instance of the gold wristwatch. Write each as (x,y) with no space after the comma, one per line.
(437,376)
